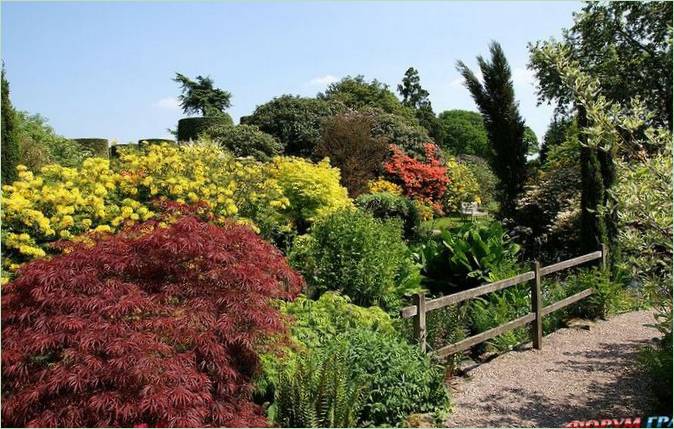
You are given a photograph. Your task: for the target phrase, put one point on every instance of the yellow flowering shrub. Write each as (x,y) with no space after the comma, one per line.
(312,189)
(462,186)
(61,203)
(382,185)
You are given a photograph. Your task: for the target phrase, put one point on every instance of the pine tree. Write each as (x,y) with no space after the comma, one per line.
(201,96)
(505,127)
(416,97)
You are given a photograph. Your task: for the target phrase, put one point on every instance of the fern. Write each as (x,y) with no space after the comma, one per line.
(318,393)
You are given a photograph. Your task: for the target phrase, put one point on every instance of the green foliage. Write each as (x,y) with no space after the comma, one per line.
(318,394)
(627,46)
(294,121)
(364,258)
(191,128)
(483,174)
(560,130)
(10,144)
(461,188)
(314,323)
(385,205)
(464,133)
(355,93)
(481,252)
(531,141)
(401,379)
(40,145)
(497,309)
(98,147)
(505,127)
(348,142)
(244,140)
(202,97)
(415,97)
(404,132)
(656,361)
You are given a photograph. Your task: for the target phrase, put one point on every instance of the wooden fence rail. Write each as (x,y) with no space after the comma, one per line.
(422,305)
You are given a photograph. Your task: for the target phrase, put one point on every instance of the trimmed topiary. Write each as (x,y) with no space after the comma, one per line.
(99,147)
(190,128)
(157,326)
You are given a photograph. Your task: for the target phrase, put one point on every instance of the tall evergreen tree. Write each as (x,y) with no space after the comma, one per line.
(415,97)
(10,142)
(495,99)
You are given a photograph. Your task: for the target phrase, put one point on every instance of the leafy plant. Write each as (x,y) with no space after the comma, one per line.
(159,325)
(401,378)
(384,205)
(318,394)
(499,308)
(472,251)
(245,140)
(362,257)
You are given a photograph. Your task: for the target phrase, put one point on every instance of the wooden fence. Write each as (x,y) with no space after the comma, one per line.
(422,305)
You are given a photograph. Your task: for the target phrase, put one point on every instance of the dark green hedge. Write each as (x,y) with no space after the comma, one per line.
(99,147)
(190,128)
(148,142)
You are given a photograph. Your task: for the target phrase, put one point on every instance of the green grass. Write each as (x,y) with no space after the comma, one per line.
(452,221)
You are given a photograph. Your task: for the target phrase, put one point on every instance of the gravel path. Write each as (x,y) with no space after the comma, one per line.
(579,374)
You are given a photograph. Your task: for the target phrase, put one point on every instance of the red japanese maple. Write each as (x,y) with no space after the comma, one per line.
(425,181)
(157,326)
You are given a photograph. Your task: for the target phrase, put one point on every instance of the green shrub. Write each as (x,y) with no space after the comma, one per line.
(499,308)
(362,257)
(98,147)
(315,322)
(319,392)
(469,253)
(484,176)
(608,296)
(190,128)
(385,205)
(147,142)
(245,140)
(656,361)
(401,378)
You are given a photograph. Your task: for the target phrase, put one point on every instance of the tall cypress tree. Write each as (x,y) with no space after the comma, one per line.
(505,127)
(10,142)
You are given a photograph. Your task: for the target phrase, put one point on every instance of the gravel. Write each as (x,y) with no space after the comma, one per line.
(579,374)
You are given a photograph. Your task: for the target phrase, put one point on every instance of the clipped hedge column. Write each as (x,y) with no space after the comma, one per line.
(190,128)
(99,147)
(149,142)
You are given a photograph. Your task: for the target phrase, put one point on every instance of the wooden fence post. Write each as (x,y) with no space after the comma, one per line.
(604,257)
(536,308)
(420,319)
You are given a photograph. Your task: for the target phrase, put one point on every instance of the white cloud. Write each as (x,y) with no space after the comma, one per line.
(323,80)
(168,103)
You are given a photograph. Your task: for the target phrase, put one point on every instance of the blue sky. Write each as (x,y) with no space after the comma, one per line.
(105,69)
